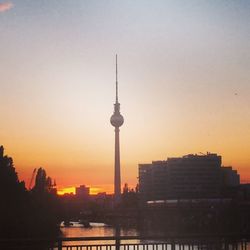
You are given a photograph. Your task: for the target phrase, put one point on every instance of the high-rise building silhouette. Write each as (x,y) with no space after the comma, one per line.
(189,177)
(117,120)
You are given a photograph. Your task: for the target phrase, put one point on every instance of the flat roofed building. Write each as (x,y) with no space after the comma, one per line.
(194,176)
(187,177)
(152,180)
(82,192)
(230,177)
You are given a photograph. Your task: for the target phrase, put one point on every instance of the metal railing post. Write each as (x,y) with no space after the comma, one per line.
(173,245)
(59,244)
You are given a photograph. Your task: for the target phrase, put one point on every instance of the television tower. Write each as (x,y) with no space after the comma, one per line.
(117,120)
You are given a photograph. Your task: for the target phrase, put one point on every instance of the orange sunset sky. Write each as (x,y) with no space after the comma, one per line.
(184,85)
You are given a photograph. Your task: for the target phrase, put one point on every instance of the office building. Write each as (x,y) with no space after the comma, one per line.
(187,177)
(82,192)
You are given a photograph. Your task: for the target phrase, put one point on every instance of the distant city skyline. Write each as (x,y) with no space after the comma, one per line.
(185,85)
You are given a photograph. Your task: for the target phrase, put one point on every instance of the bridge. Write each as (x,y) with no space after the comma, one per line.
(128,243)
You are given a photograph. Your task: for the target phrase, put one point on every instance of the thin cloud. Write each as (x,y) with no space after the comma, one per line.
(5,6)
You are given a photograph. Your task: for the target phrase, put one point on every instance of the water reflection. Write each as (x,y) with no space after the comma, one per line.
(103,230)
(95,230)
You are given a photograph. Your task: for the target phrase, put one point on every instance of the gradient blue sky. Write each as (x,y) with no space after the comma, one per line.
(184,84)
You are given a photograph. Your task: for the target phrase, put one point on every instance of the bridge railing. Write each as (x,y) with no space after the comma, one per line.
(126,243)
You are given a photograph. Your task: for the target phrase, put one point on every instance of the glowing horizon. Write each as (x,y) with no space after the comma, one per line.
(72,190)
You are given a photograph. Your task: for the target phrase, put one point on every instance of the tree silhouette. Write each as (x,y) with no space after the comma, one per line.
(43,184)
(14,197)
(23,213)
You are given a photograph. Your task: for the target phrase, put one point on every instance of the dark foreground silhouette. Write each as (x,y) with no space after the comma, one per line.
(23,213)
(36,213)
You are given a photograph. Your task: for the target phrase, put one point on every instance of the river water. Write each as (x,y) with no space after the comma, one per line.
(96,230)
(102,230)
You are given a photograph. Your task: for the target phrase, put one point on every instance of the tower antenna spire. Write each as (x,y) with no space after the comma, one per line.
(116,79)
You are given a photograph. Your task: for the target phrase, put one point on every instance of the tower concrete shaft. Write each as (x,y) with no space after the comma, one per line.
(117,177)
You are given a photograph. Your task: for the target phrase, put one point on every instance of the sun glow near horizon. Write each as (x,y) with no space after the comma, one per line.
(92,191)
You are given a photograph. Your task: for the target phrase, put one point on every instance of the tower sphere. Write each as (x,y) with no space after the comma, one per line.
(116,120)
